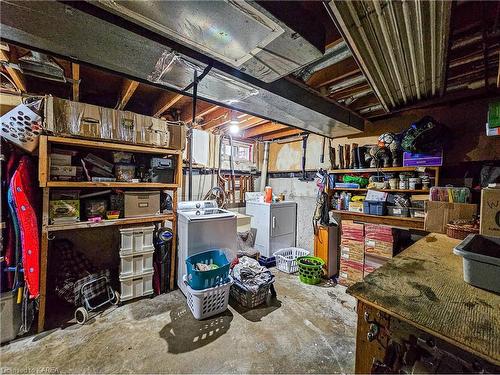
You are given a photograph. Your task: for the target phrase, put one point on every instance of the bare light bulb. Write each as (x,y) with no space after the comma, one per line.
(234,128)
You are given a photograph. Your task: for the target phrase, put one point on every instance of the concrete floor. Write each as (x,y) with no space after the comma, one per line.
(307,329)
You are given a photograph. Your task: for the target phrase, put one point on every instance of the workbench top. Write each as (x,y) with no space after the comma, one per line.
(424,286)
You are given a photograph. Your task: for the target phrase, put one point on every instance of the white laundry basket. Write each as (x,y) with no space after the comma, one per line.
(286,259)
(208,302)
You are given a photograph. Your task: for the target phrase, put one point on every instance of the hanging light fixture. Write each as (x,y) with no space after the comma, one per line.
(234,127)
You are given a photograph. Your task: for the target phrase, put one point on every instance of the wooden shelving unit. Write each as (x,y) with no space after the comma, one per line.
(381,170)
(116,184)
(418,191)
(108,223)
(44,173)
(387,170)
(403,222)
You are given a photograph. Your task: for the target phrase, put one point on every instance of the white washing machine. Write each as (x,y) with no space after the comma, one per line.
(203,226)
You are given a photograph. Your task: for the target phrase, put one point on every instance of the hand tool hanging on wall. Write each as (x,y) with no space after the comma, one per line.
(322,156)
(347,156)
(354,156)
(331,151)
(304,150)
(341,156)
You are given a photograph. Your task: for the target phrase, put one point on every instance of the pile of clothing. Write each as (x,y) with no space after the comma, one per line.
(249,274)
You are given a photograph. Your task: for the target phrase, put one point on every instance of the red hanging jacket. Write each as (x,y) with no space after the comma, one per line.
(22,184)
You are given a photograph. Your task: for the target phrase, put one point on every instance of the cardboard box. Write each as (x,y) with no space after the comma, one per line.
(353,246)
(434,159)
(350,272)
(379,248)
(371,264)
(60,159)
(438,214)
(352,231)
(347,254)
(356,207)
(141,203)
(490,212)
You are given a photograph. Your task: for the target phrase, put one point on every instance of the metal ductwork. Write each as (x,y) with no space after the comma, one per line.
(400,45)
(333,55)
(241,34)
(42,66)
(87,34)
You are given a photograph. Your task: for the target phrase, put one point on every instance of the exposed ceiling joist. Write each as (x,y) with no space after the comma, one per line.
(264,129)
(282,134)
(202,109)
(218,117)
(165,102)
(334,73)
(127,91)
(14,74)
(75,75)
(254,121)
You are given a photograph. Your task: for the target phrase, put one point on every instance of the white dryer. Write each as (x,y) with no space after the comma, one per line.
(203,226)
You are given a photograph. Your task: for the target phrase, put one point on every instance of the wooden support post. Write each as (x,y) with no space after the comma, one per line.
(128,90)
(75,72)
(44,252)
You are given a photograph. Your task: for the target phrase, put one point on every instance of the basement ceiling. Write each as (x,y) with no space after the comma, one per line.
(90,35)
(401,45)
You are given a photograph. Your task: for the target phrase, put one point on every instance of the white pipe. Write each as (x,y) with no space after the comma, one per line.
(433,47)
(409,33)
(263,172)
(369,49)
(388,44)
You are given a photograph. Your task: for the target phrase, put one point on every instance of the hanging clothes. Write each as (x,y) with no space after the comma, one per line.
(22,187)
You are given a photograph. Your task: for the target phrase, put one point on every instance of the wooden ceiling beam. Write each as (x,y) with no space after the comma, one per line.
(283,134)
(165,102)
(202,109)
(128,89)
(334,73)
(268,127)
(8,54)
(216,119)
(75,85)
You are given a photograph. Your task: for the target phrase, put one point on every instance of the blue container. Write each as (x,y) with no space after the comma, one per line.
(267,261)
(375,208)
(199,280)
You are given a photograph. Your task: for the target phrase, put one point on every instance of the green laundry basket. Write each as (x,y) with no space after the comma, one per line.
(310,269)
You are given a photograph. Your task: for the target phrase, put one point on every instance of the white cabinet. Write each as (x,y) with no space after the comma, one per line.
(276,225)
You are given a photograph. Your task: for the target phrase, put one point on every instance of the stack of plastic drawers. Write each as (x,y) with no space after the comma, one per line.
(136,266)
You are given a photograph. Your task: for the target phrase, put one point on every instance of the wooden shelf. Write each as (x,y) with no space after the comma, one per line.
(374,170)
(112,146)
(404,222)
(107,223)
(419,191)
(90,184)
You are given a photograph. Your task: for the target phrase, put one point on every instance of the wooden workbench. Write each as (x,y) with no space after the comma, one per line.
(424,287)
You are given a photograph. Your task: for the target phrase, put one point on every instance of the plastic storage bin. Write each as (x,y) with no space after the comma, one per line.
(310,269)
(137,264)
(398,211)
(124,172)
(136,286)
(136,240)
(417,212)
(375,208)
(198,280)
(10,311)
(481,258)
(208,302)
(247,298)
(286,259)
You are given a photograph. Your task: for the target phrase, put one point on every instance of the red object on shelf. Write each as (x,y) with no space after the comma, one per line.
(269,194)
